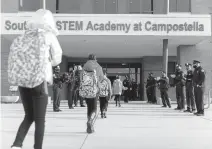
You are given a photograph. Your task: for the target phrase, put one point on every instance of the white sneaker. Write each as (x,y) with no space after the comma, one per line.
(16,147)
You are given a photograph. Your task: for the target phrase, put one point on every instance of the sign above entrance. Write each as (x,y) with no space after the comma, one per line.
(157,25)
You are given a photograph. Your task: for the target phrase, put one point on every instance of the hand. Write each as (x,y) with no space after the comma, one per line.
(173,75)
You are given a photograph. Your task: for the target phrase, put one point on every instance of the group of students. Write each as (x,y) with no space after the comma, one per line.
(190,87)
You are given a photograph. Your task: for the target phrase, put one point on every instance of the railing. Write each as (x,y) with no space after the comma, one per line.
(209,98)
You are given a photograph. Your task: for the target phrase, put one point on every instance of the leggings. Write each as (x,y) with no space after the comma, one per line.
(103,104)
(34,101)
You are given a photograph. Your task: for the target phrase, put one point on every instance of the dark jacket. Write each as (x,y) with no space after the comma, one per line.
(179,80)
(151,82)
(199,77)
(163,83)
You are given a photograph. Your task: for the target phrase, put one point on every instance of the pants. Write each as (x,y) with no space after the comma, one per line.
(190,96)
(180,95)
(56,97)
(199,98)
(126,96)
(91,107)
(117,99)
(70,98)
(103,104)
(151,94)
(34,101)
(165,98)
(77,97)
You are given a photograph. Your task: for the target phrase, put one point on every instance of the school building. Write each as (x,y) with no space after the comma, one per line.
(129,37)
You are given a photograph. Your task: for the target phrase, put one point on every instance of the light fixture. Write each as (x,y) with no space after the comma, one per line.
(124,64)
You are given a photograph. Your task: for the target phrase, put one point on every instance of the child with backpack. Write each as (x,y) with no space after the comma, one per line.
(90,78)
(104,95)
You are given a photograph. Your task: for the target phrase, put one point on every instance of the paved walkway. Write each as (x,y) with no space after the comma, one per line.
(133,126)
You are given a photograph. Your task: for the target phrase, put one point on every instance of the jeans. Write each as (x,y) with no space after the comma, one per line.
(117,99)
(56,97)
(103,104)
(165,98)
(180,95)
(34,101)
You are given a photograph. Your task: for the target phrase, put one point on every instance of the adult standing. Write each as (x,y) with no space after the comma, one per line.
(151,88)
(179,81)
(126,83)
(57,87)
(199,87)
(164,86)
(71,89)
(190,100)
(33,71)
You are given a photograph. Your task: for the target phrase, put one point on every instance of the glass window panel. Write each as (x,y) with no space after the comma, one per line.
(117,70)
(146,6)
(111,6)
(69,6)
(134,6)
(183,5)
(30,5)
(98,6)
(171,67)
(173,5)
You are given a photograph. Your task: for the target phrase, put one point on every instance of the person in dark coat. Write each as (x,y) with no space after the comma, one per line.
(163,85)
(199,87)
(151,88)
(190,100)
(126,84)
(179,82)
(57,87)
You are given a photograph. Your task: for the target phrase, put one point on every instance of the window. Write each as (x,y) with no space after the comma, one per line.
(141,6)
(134,6)
(29,5)
(180,5)
(68,6)
(98,6)
(147,6)
(111,6)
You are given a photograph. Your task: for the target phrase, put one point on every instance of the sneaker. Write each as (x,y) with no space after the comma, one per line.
(102,116)
(71,107)
(82,105)
(60,110)
(196,113)
(187,111)
(177,108)
(90,128)
(200,114)
(16,147)
(56,110)
(163,106)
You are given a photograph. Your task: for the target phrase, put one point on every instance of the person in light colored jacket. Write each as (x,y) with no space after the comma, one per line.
(117,90)
(34,99)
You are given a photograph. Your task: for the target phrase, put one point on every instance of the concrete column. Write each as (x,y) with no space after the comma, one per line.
(165,55)
(178,54)
(167,6)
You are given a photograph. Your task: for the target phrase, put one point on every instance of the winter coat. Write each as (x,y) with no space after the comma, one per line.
(117,87)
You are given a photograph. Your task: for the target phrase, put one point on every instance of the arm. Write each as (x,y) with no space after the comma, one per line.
(55,50)
(202,77)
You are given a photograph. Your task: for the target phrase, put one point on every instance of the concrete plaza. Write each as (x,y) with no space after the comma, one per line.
(133,126)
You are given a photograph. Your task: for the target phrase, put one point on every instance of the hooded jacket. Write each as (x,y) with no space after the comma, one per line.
(92,65)
(117,87)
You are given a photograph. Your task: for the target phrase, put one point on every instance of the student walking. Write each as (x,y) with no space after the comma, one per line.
(32,72)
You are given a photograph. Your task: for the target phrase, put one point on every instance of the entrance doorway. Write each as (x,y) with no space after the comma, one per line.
(132,70)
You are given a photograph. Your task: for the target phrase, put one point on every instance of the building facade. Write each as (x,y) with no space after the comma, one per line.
(121,51)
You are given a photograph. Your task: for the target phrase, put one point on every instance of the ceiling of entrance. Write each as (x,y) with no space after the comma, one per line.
(120,46)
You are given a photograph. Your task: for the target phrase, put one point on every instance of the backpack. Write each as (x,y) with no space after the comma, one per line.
(29,59)
(88,85)
(104,88)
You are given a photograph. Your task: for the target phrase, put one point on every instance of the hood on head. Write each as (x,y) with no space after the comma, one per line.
(43,19)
